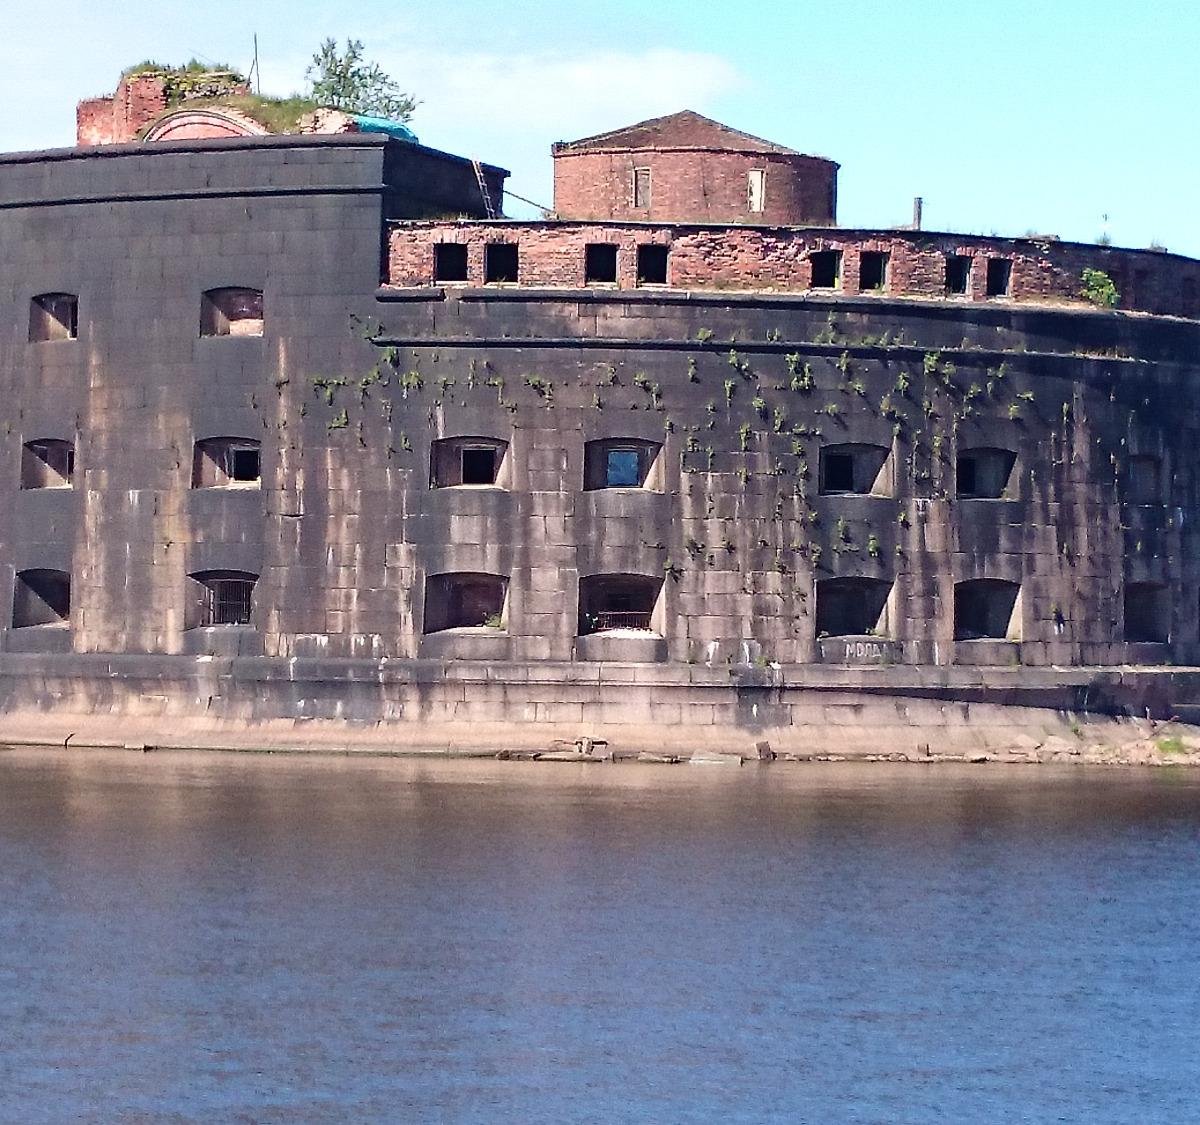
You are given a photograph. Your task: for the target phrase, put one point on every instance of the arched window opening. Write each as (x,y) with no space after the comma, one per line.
(41,597)
(220,597)
(231,311)
(987,609)
(53,316)
(853,607)
(465,601)
(47,463)
(611,602)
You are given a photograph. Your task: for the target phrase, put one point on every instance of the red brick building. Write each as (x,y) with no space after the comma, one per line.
(687,168)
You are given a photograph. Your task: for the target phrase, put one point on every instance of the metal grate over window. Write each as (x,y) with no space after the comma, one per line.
(228,601)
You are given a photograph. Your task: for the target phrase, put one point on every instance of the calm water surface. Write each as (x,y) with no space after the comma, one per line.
(223,938)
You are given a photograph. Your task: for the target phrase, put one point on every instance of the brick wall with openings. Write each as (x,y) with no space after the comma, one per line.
(781,259)
(695,186)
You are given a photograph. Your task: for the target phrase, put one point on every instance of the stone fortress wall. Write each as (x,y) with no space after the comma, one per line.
(544,499)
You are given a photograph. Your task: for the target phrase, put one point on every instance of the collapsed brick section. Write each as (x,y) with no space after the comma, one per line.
(781,259)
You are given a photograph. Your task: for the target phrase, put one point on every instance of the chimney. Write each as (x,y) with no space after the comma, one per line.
(918,207)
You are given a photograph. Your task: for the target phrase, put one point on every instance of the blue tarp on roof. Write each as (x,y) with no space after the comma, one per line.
(384,125)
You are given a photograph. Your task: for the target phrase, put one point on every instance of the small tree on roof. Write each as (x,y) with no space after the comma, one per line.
(346,81)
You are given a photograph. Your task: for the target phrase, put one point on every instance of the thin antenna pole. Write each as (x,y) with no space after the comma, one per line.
(257,74)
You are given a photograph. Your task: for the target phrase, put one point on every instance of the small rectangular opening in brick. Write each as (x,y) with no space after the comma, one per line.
(1147,613)
(826,269)
(958,274)
(244,464)
(599,263)
(231,311)
(641,188)
(651,264)
(872,270)
(500,262)
(756,190)
(999,277)
(41,597)
(450,261)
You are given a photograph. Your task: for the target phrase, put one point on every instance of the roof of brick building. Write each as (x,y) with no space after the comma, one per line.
(683,130)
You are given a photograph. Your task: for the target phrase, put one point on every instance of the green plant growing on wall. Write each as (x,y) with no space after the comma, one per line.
(1014,411)
(641,379)
(340,420)
(779,419)
(730,387)
(929,364)
(902,382)
(814,554)
(858,387)
(759,405)
(832,409)
(774,335)
(873,545)
(843,364)
(693,373)
(704,335)
(744,432)
(1099,288)
(842,530)
(411,381)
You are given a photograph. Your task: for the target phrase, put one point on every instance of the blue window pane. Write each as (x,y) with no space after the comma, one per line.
(622,469)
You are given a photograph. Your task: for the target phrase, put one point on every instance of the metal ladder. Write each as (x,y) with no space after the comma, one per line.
(483,191)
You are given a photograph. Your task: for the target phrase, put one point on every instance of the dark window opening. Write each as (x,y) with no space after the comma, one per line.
(986,608)
(231,312)
(872,270)
(500,262)
(1147,613)
(651,264)
(852,607)
(464,601)
(478,466)
(224,462)
(999,277)
(599,263)
(41,597)
(466,460)
(837,472)
(984,474)
(618,463)
(450,261)
(1145,480)
(826,269)
(641,188)
(853,468)
(958,274)
(53,316)
(47,463)
(618,601)
(221,597)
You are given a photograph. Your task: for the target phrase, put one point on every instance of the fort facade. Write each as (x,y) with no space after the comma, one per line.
(298,431)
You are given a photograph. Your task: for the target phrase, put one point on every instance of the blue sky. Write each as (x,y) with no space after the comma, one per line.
(1014,116)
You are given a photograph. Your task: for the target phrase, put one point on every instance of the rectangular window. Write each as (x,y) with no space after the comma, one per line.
(53,316)
(999,277)
(756,190)
(450,261)
(243,464)
(478,465)
(641,189)
(599,263)
(622,469)
(958,274)
(872,271)
(500,262)
(837,472)
(651,264)
(228,601)
(826,269)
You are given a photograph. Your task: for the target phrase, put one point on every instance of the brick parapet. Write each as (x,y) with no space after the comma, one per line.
(779,259)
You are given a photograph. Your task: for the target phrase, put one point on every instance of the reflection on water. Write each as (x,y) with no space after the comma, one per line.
(216,938)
